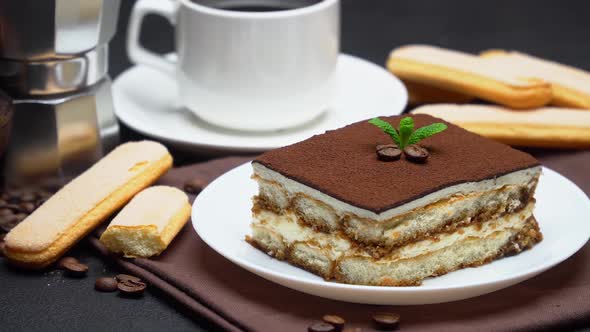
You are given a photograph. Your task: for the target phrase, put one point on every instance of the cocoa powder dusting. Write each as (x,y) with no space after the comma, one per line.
(342,163)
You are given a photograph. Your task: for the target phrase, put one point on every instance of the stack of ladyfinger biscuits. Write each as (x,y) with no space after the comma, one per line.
(534,102)
(144,227)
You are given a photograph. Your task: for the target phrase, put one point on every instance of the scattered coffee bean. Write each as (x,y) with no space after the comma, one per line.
(75,269)
(336,321)
(352,329)
(415,153)
(106,284)
(388,152)
(12,207)
(131,287)
(27,207)
(13,199)
(7,223)
(22,202)
(66,260)
(386,321)
(28,196)
(321,327)
(194,186)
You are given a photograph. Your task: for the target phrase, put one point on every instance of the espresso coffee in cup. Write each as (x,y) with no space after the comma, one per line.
(249,64)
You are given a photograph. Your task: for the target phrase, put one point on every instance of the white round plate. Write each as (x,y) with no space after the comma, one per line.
(221,216)
(145,100)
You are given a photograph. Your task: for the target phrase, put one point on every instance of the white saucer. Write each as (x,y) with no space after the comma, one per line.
(145,100)
(221,216)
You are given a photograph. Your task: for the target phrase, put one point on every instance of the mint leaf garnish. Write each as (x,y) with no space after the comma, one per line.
(426,131)
(387,128)
(407,135)
(406,127)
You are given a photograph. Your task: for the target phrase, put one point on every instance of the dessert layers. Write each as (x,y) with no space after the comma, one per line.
(331,206)
(335,256)
(442,210)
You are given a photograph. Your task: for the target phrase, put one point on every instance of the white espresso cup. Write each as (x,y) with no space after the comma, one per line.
(243,68)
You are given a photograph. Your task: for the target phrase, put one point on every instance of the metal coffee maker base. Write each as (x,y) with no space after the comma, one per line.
(54,139)
(55,29)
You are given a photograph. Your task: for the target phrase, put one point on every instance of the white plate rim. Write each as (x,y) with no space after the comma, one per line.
(208,146)
(272,275)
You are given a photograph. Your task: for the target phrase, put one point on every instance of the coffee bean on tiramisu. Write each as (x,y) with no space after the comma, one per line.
(415,153)
(388,152)
(106,284)
(321,327)
(335,320)
(194,186)
(386,321)
(75,269)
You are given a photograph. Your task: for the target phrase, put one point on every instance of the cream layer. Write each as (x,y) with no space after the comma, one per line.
(286,229)
(292,188)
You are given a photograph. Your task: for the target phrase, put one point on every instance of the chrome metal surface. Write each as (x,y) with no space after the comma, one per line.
(60,137)
(48,77)
(48,29)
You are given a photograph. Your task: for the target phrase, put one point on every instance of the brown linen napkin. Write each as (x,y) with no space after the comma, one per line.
(236,300)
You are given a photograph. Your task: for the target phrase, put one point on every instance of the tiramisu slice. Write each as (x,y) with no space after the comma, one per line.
(331,206)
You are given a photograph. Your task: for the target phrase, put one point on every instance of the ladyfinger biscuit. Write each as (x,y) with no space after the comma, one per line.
(548,127)
(419,93)
(85,202)
(467,74)
(571,86)
(147,225)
